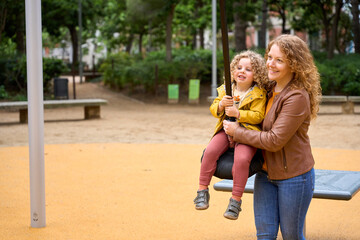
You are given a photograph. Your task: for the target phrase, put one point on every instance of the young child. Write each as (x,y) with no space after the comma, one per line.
(248,78)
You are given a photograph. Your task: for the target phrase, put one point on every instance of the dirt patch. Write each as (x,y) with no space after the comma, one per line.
(141,119)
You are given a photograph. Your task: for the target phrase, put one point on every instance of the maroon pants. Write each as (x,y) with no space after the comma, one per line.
(242,158)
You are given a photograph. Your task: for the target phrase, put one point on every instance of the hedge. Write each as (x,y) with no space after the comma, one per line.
(339,76)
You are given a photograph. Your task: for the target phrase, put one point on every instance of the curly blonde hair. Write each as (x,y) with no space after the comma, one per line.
(257,64)
(301,62)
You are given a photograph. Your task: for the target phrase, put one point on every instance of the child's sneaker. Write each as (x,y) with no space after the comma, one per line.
(233,209)
(202,199)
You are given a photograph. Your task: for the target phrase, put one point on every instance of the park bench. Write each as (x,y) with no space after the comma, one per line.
(347,102)
(329,184)
(91,106)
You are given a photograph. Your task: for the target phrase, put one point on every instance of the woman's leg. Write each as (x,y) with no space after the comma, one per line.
(266,207)
(217,146)
(295,195)
(243,155)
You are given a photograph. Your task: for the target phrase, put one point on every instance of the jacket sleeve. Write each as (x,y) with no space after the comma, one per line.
(256,113)
(293,112)
(215,105)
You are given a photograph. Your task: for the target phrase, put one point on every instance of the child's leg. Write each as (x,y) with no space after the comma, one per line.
(243,155)
(217,146)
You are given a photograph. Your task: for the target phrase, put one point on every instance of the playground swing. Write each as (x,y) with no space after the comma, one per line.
(226,160)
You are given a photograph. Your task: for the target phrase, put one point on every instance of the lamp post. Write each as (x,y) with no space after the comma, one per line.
(35,112)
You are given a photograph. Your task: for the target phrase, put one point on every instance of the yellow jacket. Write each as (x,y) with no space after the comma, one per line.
(252,108)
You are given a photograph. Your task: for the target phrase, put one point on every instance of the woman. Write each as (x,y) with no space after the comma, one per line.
(284,189)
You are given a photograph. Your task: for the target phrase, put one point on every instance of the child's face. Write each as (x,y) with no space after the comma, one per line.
(243,73)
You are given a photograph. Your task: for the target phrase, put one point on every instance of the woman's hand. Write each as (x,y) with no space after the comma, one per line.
(230,127)
(231,142)
(232,111)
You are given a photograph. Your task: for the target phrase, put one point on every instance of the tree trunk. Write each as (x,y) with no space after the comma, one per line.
(240,28)
(334,29)
(326,23)
(193,47)
(130,42)
(169,32)
(202,39)
(200,5)
(262,32)
(283,17)
(356,24)
(74,42)
(140,43)
(20,32)
(3,13)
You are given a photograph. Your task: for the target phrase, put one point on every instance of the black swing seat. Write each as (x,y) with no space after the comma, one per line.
(226,161)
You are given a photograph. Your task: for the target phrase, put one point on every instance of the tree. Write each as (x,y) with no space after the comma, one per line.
(243,12)
(356,24)
(334,29)
(12,22)
(64,13)
(169,18)
(263,28)
(283,8)
(114,29)
(3,15)
(191,18)
(329,15)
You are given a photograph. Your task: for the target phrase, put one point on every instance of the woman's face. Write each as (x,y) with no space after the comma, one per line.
(277,65)
(243,73)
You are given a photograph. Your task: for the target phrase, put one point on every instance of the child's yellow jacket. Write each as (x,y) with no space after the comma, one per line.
(252,108)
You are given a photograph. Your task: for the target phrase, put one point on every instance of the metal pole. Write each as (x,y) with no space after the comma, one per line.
(214,84)
(35,112)
(80,40)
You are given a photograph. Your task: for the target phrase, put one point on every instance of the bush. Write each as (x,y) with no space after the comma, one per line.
(122,70)
(3,93)
(52,68)
(13,74)
(340,75)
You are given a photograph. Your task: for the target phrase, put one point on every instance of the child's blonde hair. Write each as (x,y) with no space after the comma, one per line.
(258,66)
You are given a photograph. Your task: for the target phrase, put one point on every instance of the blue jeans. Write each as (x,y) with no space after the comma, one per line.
(284,203)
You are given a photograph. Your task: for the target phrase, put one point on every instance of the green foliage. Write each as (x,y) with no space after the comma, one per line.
(13,72)
(52,68)
(3,93)
(340,75)
(122,70)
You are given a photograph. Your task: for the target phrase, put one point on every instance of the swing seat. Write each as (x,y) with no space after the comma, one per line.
(226,161)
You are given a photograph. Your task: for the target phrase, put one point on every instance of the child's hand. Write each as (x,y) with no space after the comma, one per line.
(227,101)
(232,111)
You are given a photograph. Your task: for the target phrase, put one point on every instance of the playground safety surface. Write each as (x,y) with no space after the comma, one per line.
(145,191)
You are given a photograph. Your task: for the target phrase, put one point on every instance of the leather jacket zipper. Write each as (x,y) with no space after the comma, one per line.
(284,159)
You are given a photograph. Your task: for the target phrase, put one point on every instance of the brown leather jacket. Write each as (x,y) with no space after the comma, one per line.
(284,139)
